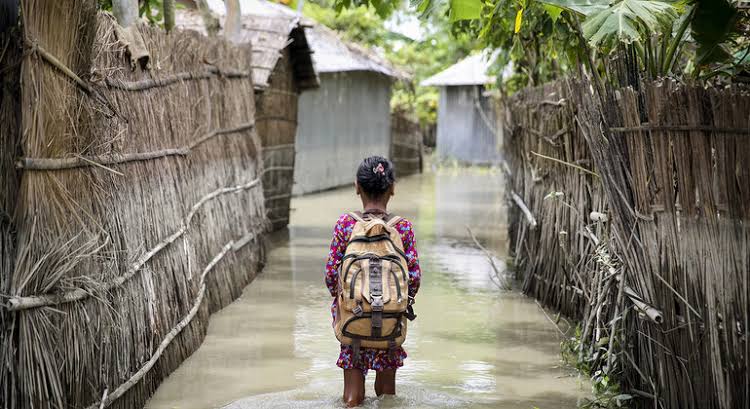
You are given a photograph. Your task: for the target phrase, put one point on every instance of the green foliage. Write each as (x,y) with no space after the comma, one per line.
(628,21)
(547,38)
(584,7)
(604,386)
(536,49)
(358,24)
(712,26)
(383,8)
(465,9)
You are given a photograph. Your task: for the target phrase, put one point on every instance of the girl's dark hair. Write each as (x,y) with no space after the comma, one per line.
(375,175)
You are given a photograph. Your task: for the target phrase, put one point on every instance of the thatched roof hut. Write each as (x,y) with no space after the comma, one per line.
(282,68)
(466,129)
(348,117)
(131,207)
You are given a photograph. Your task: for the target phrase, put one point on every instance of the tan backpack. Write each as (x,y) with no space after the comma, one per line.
(373,286)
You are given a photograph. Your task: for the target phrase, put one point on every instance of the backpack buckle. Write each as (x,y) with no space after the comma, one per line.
(377,302)
(357,311)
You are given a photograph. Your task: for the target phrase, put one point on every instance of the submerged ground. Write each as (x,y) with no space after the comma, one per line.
(472,346)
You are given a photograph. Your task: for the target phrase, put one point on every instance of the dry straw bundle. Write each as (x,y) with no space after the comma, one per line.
(665,275)
(134,212)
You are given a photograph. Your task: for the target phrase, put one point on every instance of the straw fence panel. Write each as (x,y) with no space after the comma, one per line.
(139,210)
(406,144)
(277,128)
(551,235)
(666,288)
(674,166)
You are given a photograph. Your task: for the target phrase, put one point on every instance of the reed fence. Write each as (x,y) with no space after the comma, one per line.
(406,144)
(553,193)
(664,299)
(132,204)
(277,129)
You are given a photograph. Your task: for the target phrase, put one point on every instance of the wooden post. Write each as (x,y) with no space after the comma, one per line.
(233,23)
(125,11)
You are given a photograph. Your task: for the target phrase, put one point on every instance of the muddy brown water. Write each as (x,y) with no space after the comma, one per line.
(472,345)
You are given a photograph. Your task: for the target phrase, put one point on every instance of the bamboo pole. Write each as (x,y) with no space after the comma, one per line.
(107,400)
(115,159)
(168,11)
(521,205)
(210,72)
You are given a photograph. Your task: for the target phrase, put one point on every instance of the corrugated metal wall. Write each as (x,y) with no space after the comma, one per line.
(345,120)
(462,132)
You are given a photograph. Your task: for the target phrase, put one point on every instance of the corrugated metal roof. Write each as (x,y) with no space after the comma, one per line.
(472,70)
(269,28)
(333,54)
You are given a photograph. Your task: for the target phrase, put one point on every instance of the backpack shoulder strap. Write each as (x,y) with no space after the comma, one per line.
(392,220)
(357,216)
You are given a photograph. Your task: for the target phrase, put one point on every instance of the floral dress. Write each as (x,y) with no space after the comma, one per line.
(376,359)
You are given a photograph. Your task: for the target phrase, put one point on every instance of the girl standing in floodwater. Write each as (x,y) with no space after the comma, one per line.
(375,185)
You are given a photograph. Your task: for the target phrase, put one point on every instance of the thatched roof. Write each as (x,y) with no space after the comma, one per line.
(269,28)
(472,70)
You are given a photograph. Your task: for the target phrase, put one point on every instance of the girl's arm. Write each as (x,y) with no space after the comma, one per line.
(412,257)
(341,233)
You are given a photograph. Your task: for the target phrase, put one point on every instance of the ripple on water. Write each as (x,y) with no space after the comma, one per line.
(317,395)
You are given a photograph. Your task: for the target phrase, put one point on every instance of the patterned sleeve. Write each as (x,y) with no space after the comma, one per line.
(412,257)
(341,233)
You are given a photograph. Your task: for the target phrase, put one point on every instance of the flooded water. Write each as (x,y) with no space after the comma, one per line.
(472,345)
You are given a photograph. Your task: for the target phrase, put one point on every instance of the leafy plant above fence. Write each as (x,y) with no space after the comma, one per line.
(547,39)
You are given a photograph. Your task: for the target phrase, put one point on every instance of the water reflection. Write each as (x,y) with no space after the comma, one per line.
(472,346)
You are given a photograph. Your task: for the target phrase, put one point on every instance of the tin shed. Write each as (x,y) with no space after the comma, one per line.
(347,118)
(466,129)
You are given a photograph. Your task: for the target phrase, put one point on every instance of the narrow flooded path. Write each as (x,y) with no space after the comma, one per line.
(472,346)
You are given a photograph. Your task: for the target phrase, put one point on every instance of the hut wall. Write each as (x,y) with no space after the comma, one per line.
(276,121)
(138,211)
(345,120)
(465,131)
(664,278)
(406,144)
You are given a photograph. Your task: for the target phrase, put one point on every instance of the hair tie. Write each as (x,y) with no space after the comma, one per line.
(379,169)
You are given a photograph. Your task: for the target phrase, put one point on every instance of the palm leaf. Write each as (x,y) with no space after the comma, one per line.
(626,20)
(585,7)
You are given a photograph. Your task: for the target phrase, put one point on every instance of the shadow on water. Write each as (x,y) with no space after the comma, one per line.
(473,346)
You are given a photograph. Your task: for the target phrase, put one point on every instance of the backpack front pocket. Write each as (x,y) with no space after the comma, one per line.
(361,327)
